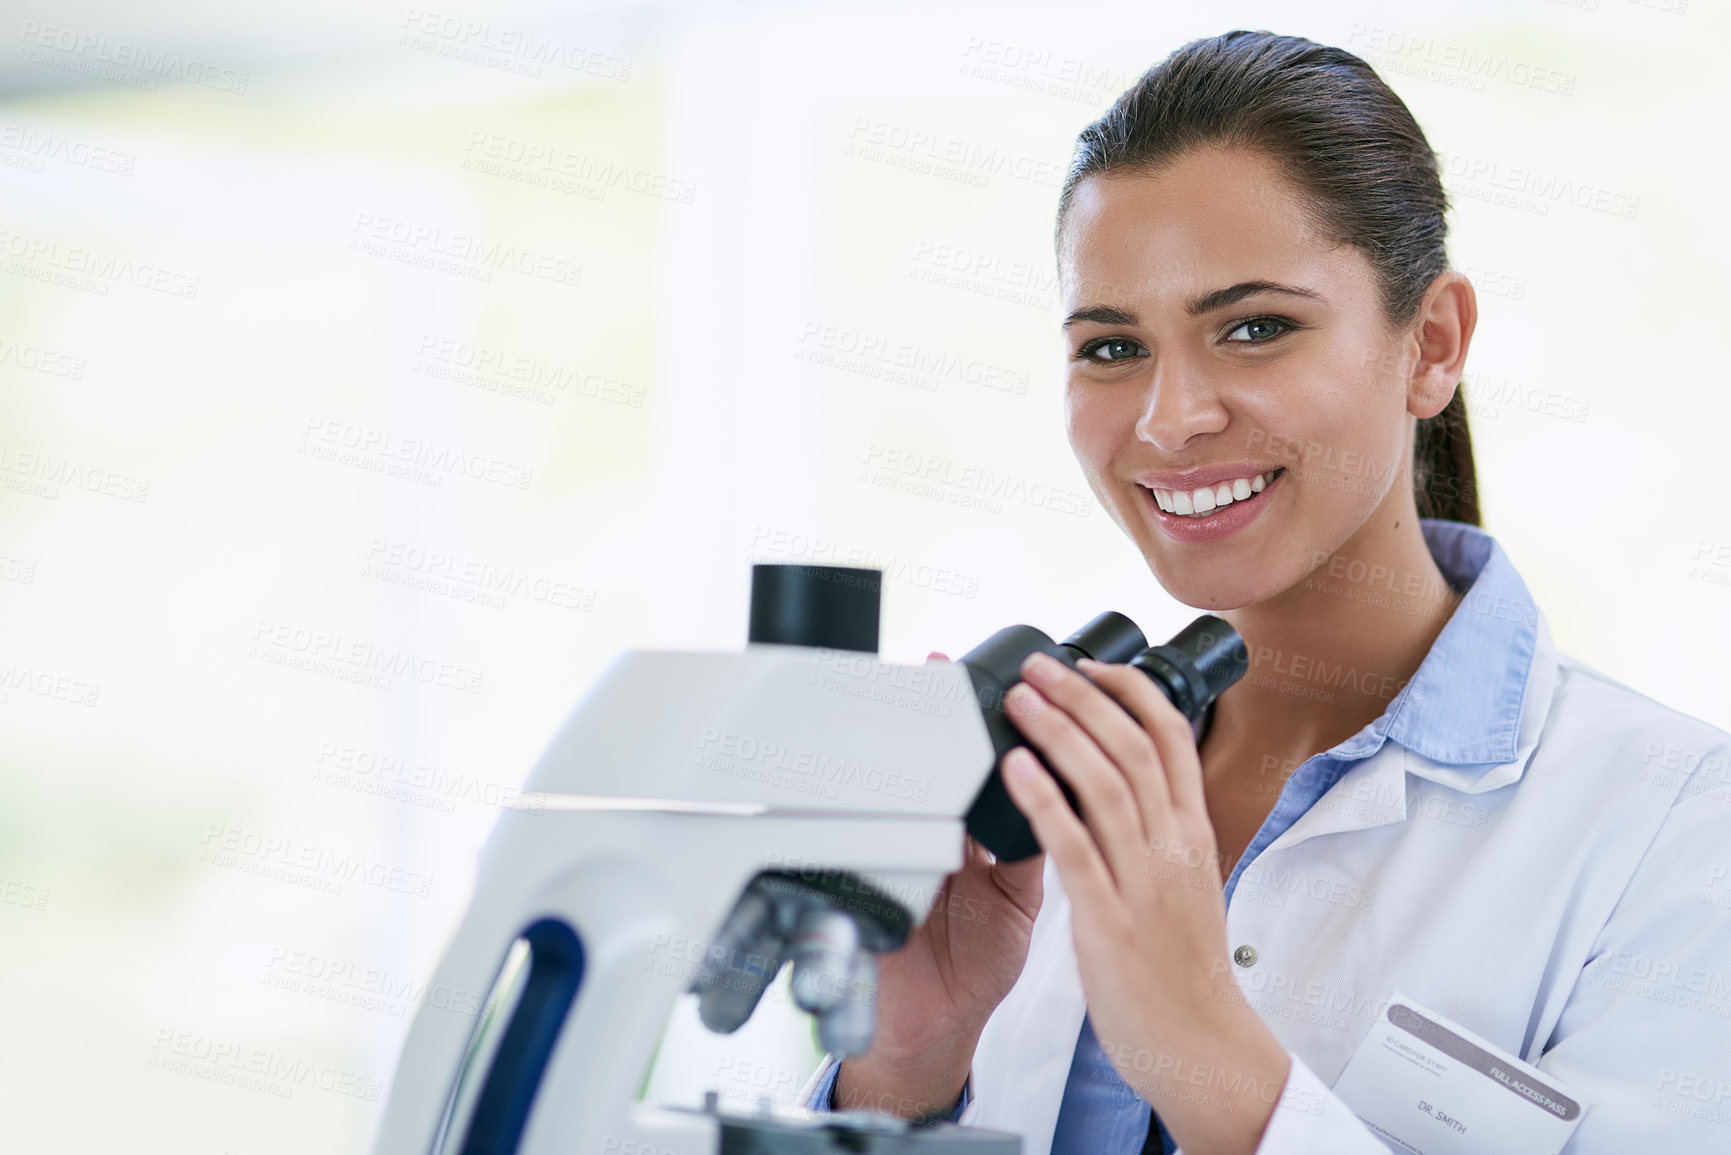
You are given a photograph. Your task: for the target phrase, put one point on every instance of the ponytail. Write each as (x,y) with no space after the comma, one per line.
(1444,483)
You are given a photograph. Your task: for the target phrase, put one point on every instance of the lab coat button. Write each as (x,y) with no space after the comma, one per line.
(1245,956)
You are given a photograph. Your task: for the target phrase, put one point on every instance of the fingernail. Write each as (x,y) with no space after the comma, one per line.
(1042,669)
(1019,764)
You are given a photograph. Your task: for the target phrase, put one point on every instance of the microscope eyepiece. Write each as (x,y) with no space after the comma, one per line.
(1110,637)
(1200,662)
(832,606)
(1192,670)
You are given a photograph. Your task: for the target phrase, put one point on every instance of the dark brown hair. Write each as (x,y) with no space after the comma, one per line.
(1352,149)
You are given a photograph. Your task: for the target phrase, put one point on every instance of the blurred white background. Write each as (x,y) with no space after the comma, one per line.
(631,307)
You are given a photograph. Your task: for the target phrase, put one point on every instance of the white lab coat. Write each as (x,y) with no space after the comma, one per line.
(1571,906)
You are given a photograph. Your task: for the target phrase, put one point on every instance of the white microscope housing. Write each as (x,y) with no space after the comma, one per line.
(669,792)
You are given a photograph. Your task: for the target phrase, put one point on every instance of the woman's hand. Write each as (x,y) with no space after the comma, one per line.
(1143,876)
(935,994)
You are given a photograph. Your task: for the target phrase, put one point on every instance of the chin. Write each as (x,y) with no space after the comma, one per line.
(1213,588)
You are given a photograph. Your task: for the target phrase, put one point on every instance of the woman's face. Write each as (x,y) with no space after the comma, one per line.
(1234,395)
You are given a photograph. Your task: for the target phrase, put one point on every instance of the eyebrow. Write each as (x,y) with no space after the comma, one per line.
(1196,306)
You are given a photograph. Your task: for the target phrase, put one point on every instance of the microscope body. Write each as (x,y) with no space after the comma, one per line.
(678,780)
(798,802)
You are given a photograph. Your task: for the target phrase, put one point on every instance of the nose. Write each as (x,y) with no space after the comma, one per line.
(1180,405)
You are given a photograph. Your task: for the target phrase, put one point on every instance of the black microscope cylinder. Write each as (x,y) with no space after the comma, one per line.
(1193,669)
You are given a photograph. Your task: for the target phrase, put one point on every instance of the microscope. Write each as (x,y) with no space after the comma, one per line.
(796,804)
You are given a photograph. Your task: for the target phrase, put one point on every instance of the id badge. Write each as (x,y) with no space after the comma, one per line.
(1429,1086)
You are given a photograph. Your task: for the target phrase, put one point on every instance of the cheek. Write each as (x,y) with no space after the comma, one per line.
(1329,416)
(1098,424)
(1082,426)
(1375,408)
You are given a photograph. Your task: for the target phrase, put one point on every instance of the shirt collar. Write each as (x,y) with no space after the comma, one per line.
(1462,707)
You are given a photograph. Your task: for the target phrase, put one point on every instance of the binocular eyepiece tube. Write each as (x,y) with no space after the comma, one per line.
(1193,669)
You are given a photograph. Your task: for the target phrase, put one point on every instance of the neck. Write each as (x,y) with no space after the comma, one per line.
(1329,654)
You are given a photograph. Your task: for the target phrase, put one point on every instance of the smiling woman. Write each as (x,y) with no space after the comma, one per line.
(1411,796)
(1226,329)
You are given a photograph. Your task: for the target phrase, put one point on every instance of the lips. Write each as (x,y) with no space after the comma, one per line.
(1172,499)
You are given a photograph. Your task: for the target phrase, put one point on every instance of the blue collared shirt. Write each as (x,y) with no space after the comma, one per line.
(1462,706)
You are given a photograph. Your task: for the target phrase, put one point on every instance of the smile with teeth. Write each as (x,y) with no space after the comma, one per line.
(1204,501)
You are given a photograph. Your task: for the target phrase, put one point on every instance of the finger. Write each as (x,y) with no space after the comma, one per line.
(1171,733)
(1018,871)
(1119,734)
(1019,883)
(1102,790)
(1022,875)
(935,656)
(976,859)
(1060,833)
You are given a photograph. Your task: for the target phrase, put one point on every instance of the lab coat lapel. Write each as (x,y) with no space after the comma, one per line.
(1023,1059)
(1373,791)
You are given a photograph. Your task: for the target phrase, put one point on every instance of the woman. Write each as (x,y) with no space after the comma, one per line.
(1410,791)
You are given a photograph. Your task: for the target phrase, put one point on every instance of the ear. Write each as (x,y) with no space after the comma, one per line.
(1441,332)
